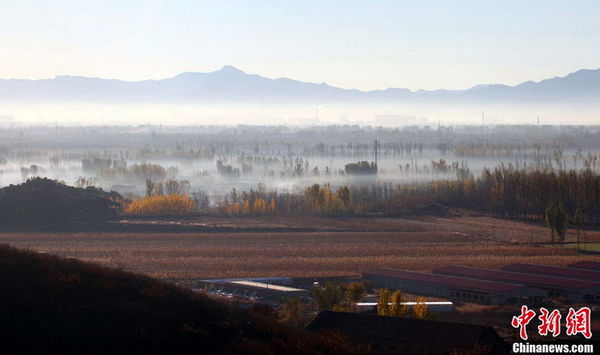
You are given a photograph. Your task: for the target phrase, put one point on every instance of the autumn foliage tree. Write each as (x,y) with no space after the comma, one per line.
(556,219)
(397,307)
(161,205)
(322,199)
(330,296)
(356,292)
(291,309)
(420,309)
(383,302)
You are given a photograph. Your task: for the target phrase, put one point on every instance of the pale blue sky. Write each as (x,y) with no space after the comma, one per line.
(351,44)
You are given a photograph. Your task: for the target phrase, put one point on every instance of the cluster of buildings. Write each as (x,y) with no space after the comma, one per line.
(512,284)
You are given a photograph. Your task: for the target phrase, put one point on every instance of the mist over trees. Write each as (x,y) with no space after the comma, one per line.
(503,192)
(506,171)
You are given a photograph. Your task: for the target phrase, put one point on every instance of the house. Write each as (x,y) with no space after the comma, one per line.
(392,335)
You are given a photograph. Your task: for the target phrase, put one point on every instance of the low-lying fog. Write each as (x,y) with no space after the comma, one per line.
(212,160)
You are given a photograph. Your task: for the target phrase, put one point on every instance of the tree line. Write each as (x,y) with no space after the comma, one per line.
(503,192)
(512,193)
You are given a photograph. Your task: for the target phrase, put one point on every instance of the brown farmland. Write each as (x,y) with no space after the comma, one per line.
(328,247)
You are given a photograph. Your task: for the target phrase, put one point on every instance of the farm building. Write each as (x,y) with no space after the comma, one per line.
(284,281)
(393,335)
(566,272)
(586,264)
(435,306)
(454,288)
(267,288)
(309,282)
(574,290)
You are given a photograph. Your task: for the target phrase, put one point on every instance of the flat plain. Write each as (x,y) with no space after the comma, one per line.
(312,246)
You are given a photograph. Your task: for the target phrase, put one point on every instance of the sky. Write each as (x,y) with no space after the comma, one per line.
(350,44)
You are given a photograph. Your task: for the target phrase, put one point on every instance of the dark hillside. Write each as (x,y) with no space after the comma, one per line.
(54,305)
(41,202)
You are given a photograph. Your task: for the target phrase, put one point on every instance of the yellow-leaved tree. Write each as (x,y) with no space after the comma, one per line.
(398,308)
(161,204)
(420,309)
(383,303)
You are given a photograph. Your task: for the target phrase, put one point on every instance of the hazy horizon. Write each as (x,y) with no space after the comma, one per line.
(372,47)
(429,45)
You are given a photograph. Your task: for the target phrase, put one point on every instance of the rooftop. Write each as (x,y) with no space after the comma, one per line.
(408,331)
(280,280)
(592,275)
(586,264)
(489,286)
(526,279)
(268,286)
(410,303)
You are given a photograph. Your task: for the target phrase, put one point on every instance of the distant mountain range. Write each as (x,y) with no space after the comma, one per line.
(230,84)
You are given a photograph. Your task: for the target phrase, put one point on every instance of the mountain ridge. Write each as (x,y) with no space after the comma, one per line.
(232,84)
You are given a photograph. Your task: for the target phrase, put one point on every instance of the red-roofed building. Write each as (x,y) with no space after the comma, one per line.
(454,288)
(567,272)
(572,289)
(586,264)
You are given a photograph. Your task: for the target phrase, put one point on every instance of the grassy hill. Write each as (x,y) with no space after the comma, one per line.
(55,305)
